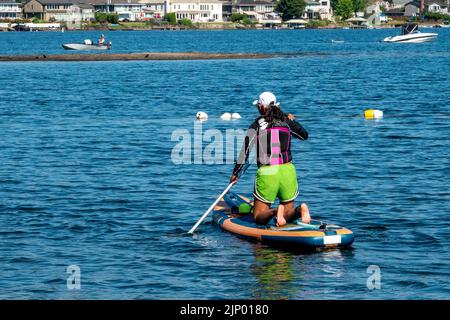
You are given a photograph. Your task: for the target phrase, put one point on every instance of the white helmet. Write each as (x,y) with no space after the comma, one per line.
(265,99)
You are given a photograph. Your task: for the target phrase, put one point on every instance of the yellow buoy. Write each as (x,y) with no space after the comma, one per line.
(373,114)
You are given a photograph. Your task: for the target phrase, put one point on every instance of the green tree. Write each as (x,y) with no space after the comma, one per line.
(113,18)
(334,4)
(236,17)
(344,9)
(104,17)
(246,21)
(101,17)
(171,18)
(185,22)
(290,9)
(359,5)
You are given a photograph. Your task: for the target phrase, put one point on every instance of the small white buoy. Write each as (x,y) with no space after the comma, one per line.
(202,116)
(373,114)
(226,116)
(235,116)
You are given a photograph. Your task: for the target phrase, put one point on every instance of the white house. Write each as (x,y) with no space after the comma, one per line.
(72,13)
(438,6)
(262,11)
(318,9)
(153,9)
(9,9)
(196,10)
(376,7)
(131,10)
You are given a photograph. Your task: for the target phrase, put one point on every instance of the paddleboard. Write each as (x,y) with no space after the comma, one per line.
(296,234)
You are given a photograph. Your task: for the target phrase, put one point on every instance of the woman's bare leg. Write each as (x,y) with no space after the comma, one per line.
(306,217)
(289,212)
(262,212)
(281,221)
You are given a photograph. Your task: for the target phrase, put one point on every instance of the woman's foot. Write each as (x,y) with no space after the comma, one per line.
(281,221)
(306,218)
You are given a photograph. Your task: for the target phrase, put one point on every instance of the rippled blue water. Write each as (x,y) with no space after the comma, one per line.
(86,176)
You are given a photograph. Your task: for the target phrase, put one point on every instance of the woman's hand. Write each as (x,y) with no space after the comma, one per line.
(290,116)
(233,179)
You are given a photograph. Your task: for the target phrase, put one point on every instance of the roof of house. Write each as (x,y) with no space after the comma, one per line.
(254,2)
(297,21)
(417,2)
(400,2)
(414,3)
(443,3)
(195,1)
(399,11)
(53,1)
(151,1)
(84,5)
(106,2)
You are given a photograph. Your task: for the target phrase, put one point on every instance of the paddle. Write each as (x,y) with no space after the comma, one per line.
(203,217)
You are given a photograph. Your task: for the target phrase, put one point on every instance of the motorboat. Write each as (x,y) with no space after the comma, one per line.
(411,34)
(87,45)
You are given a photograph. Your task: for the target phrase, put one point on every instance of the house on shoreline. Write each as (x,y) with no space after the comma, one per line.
(407,9)
(318,10)
(196,10)
(74,12)
(9,10)
(127,10)
(58,10)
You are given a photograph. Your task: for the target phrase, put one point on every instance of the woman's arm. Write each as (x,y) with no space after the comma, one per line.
(296,128)
(249,142)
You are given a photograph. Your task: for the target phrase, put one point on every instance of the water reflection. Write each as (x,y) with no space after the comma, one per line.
(274,273)
(289,274)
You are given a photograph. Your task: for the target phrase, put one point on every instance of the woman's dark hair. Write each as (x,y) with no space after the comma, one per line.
(274,114)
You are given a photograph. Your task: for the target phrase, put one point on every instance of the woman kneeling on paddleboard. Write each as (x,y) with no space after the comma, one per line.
(276,177)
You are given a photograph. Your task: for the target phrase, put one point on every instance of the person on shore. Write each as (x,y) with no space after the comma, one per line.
(101,41)
(276,177)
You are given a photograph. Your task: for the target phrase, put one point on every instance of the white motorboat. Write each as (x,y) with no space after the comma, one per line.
(87,45)
(411,34)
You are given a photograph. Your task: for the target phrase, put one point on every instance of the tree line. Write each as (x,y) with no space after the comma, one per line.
(294,9)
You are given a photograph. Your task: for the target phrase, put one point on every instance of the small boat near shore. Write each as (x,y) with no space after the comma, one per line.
(87,45)
(411,34)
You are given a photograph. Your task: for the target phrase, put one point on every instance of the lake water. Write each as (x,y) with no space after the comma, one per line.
(87,179)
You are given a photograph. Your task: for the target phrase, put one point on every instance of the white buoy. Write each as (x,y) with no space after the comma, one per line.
(226,116)
(202,116)
(235,115)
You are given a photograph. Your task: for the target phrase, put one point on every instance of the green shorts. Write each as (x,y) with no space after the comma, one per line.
(278,181)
